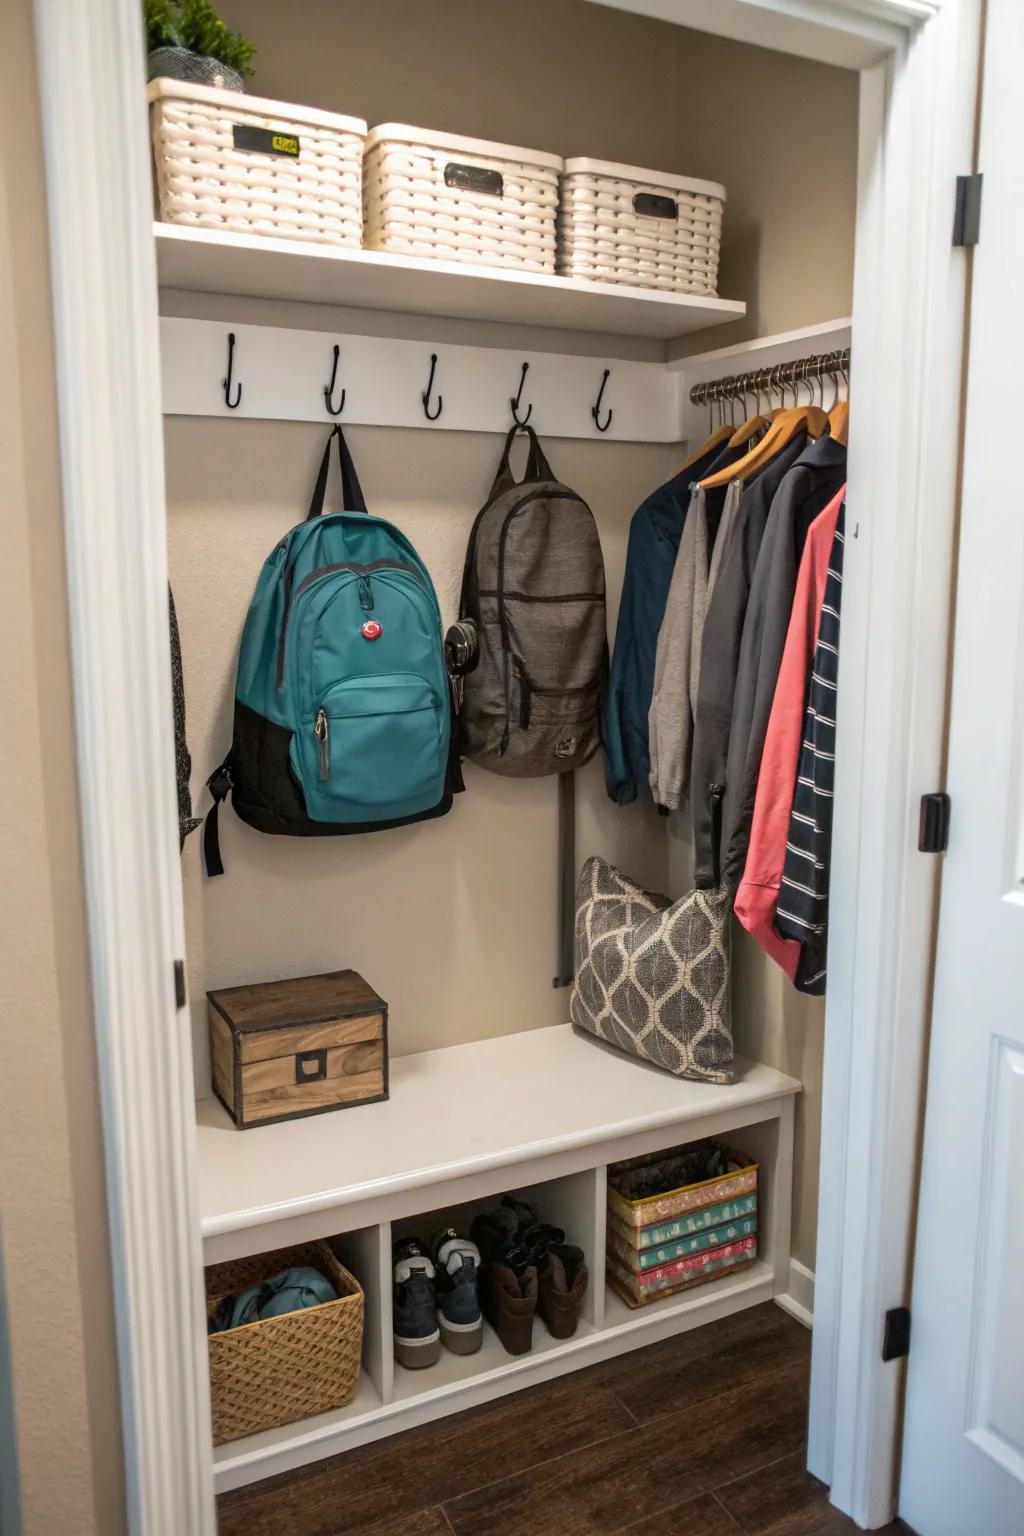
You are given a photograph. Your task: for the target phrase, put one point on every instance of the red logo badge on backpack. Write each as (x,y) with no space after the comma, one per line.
(371,630)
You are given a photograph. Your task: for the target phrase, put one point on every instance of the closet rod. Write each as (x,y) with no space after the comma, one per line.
(774,379)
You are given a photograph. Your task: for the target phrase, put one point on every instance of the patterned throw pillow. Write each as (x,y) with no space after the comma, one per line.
(652,976)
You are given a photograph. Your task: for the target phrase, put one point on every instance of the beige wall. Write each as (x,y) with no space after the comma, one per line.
(55,1288)
(454,923)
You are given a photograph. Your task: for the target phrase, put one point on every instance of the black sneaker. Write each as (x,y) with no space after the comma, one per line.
(414,1306)
(457,1266)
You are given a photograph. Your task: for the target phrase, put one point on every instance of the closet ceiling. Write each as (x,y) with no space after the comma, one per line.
(804,27)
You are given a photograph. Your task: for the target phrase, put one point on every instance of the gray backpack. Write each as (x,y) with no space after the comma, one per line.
(534,586)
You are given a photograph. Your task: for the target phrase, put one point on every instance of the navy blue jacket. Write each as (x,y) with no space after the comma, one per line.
(654,535)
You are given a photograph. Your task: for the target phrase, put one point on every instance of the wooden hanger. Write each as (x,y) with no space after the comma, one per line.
(716,440)
(785,423)
(751,428)
(839,421)
(781,432)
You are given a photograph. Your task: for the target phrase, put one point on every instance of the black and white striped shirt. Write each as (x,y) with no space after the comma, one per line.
(802,912)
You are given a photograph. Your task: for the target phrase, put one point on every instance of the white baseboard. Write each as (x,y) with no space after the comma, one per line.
(798,1301)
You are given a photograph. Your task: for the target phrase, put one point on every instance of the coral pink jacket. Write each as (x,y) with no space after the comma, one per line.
(758,892)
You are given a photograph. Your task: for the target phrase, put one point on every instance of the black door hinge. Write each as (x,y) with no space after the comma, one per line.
(180,995)
(933,828)
(967,217)
(896,1339)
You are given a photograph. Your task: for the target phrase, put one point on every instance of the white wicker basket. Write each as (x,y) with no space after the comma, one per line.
(455,199)
(622,224)
(228,161)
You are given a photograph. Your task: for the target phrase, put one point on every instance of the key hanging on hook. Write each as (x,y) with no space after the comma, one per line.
(516,401)
(329,388)
(425,397)
(595,410)
(231,404)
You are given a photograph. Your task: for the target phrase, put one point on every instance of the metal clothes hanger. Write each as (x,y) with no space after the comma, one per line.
(839,415)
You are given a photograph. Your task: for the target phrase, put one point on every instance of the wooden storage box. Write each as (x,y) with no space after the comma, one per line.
(283,1049)
(283,1368)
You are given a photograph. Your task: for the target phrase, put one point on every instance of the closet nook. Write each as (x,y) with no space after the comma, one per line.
(425,357)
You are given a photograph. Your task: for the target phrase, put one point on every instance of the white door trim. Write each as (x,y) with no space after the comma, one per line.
(908,336)
(103,273)
(911,292)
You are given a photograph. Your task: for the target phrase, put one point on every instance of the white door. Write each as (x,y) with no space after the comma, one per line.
(963,1447)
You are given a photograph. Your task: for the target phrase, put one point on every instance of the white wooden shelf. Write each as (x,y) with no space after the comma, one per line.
(539,1103)
(540,1113)
(209,261)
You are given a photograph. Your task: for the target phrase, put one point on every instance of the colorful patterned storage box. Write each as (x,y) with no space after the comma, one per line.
(680,1236)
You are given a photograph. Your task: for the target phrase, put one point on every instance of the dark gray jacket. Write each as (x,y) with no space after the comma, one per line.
(806,490)
(723,630)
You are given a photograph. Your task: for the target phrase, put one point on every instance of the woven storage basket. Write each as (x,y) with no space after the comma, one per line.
(227,161)
(622,224)
(442,196)
(288,1367)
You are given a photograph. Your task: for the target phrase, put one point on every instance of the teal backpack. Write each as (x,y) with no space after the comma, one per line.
(343,704)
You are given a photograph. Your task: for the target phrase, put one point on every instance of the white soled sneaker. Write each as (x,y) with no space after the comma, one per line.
(457,1262)
(414,1306)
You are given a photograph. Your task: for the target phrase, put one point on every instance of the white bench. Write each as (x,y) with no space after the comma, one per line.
(464,1124)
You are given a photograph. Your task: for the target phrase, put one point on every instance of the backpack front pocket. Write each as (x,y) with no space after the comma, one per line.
(373,748)
(557,727)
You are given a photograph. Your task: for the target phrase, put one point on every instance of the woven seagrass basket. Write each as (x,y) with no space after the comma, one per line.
(289,1367)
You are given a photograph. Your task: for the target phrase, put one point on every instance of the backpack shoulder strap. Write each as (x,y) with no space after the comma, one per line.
(352,498)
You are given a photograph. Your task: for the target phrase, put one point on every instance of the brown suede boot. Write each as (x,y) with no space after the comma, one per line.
(509,1302)
(563,1285)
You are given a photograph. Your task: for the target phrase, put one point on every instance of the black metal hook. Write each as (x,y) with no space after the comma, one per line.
(425,397)
(595,410)
(517,400)
(231,404)
(329,389)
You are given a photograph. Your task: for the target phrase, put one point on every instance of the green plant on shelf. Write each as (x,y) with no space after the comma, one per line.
(196,25)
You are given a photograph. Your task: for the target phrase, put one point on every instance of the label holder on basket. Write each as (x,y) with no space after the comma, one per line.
(265,141)
(654,205)
(474,178)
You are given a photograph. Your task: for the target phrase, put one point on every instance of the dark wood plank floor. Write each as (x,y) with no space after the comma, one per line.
(702,1435)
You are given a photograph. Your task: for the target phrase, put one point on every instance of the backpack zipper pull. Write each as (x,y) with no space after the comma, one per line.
(365,594)
(321,734)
